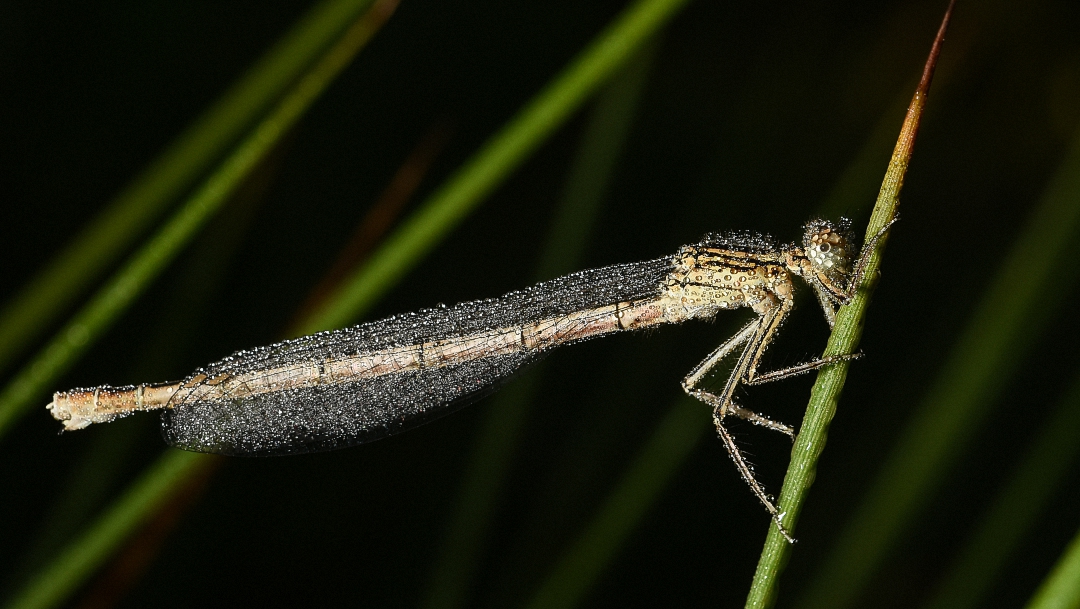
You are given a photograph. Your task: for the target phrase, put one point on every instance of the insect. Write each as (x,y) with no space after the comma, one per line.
(345,387)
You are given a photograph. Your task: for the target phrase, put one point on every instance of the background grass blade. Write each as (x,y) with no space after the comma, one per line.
(1009,317)
(500,431)
(448,205)
(130,213)
(572,577)
(79,559)
(118,293)
(1061,590)
(53,585)
(1025,497)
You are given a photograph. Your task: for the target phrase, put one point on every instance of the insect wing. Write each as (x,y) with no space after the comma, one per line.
(322,418)
(301,396)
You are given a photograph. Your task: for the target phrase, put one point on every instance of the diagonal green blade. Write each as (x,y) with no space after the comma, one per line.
(1022,500)
(504,420)
(539,119)
(130,213)
(503,153)
(1061,589)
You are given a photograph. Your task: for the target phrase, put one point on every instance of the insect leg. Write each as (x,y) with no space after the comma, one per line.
(771,325)
(864,258)
(746,370)
(753,334)
(771,320)
(828,302)
(747,473)
(731,408)
(756,335)
(694,377)
(797,369)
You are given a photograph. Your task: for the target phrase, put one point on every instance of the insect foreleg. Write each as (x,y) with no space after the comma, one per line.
(864,258)
(797,369)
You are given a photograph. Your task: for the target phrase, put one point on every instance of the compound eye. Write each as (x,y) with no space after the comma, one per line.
(826,247)
(820,256)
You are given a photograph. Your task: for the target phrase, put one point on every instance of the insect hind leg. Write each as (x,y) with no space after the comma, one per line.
(753,335)
(722,410)
(756,336)
(741,464)
(747,473)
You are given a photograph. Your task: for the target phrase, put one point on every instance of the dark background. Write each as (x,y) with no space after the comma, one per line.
(751,113)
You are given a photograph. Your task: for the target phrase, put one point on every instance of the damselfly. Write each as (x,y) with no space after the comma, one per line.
(359,384)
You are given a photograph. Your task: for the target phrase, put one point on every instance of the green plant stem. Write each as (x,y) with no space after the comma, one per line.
(844,339)
(122,289)
(842,198)
(1011,313)
(1061,589)
(455,199)
(131,212)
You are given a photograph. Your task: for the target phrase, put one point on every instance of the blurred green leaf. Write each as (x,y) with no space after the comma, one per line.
(460,195)
(675,437)
(1061,589)
(128,216)
(456,198)
(1017,507)
(113,298)
(63,576)
(587,183)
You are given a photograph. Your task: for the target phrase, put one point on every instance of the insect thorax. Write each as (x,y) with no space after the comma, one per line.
(707,278)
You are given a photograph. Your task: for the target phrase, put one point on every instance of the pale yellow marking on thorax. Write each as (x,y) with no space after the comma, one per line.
(705,280)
